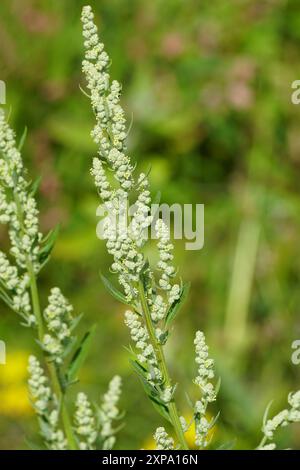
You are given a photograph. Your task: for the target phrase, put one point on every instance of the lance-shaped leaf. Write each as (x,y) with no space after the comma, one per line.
(176,306)
(113,290)
(162,408)
(5,297)
(80,355)
(34,186)
(151,391)
(47,244)
(23,138)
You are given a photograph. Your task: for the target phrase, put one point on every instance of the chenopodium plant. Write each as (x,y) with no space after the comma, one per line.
(92,425)
(153,294)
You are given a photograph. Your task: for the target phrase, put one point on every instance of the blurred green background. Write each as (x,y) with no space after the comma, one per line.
(208,88)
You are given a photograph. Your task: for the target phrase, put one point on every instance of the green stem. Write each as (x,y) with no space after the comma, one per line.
(163,366)
(57,387)
(262,442)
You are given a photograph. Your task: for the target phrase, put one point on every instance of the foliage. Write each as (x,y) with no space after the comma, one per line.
(237,152)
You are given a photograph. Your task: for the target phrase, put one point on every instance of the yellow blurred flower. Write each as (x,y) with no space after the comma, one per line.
(14,399)
(15,369)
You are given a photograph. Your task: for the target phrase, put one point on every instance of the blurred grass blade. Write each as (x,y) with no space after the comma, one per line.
(241,286)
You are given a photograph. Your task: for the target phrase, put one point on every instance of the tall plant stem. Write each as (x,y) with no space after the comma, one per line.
(57,387)
(163,367)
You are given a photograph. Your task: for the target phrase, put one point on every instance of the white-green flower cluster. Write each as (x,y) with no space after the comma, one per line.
(58,319)
(282,419)
(13,289)
(96,429)
(85,423)
(45,405)
(163,440)
(57,440)
(165,258)
(17,207)
(19,212)
(142,217)
(159,305)
(19,290)
(205,368)
(110,131)
(147,356)
(39,388)
(184,424)
(268,447)
(109,412)
(208,393)
(125,229)
(123,240)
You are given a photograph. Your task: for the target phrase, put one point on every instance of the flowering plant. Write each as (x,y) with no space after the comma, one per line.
(55,325)
(153,294)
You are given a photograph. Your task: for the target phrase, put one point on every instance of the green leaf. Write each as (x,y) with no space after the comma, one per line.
(69,347)
(5,297)
(161,408)
(113,290)
(156,201)
(143,275)
(76,321)
(80,355)
(48,244)
(34,186)
(23,138)
(145,267)
(218,386)
(189,400)
(142,374)
(176,306)
(45,428)
(151,391)
(214,420)
(266,413)
(163,338)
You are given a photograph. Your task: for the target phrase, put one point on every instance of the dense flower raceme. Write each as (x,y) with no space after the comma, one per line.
(208,391)
(85,423)
(125,241)
(282,419)
(19,212)
(109,412)
(95,426)
(150,299)
(88,427)
(162,440)
(18,271)
(58,319)
(46,406)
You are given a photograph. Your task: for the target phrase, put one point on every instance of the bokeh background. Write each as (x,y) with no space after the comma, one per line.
(207,86)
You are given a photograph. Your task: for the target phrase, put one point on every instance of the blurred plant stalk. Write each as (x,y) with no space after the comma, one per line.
(241,286)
